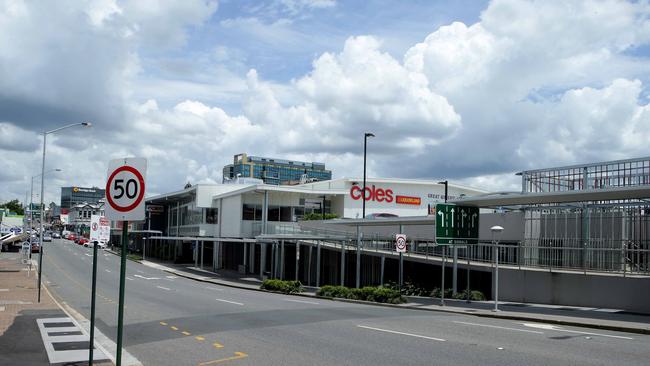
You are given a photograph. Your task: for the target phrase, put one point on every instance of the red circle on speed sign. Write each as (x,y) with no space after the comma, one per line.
(109,196)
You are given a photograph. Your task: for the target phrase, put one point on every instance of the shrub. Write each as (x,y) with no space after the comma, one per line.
(436,293)
(318,216)
(369,293)
(286,287)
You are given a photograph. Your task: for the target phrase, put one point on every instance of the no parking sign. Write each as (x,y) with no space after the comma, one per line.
(400,243)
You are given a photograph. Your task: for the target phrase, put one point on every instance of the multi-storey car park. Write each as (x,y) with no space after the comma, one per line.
(575,235)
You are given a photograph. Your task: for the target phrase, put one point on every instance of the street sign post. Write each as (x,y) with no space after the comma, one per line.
(456,224)
(400,247)
(125,187)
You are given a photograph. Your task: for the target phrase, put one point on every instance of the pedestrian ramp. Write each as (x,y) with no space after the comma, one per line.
(65,342)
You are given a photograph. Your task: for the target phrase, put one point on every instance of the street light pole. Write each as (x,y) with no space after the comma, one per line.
(495,231)
(363,199)
(31,213)
(41,251)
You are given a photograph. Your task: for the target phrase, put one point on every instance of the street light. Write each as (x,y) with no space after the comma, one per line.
(363,199)
(446,183)
(495,231)
(40,255)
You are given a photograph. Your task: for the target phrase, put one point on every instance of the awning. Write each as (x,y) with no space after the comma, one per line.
(587,195)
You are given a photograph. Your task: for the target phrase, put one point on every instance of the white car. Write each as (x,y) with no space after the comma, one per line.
(100,245)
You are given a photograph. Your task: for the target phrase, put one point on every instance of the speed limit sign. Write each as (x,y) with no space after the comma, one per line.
(400,243)
(125,187)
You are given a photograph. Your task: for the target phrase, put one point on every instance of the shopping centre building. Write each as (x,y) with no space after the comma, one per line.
(569,233)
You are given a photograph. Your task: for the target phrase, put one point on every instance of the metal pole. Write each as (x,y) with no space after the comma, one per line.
(318,265)
(297,259)
(262,260)
(202,247)
(309,266)
(455,271)
(342,263)
(383,259)
(442,285)
(468,272)
(31,220)
(358,269)
(40,219)
(91,344)
(363,196)
(120,309)
(401,270)
(282,260)
(496,276)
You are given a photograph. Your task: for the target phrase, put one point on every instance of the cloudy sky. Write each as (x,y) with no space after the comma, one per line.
(468,90)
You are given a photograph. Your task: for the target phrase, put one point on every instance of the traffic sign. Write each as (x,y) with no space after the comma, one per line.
(456,224)
(400,243)
(100,229)
(125,187)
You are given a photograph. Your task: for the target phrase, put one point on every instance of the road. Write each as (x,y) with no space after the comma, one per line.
(176,321)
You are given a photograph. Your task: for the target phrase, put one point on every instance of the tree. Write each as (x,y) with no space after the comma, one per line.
(14,206)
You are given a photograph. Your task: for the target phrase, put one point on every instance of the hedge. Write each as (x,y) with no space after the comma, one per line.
(375,294)
(286,287)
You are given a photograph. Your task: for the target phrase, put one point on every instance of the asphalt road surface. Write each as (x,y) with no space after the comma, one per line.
(177,321)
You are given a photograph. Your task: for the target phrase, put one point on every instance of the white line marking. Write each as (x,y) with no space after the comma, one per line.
(88,255)
(130,279)
(556,328)
(214,288)
(146,278)
(302,302)
(402,333)
(498,327)
(163,288)
(108,270)
(230,302)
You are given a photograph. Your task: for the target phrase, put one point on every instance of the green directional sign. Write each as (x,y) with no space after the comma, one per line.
(456,224)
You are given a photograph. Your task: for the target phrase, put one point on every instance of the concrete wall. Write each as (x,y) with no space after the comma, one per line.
(575,289)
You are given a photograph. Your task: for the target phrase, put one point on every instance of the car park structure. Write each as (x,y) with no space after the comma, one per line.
(575,235)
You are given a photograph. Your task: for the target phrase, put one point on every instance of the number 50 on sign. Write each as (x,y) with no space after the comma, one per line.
(125,188)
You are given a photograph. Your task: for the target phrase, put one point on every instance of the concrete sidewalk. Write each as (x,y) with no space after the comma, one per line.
(609,319)
(21,341)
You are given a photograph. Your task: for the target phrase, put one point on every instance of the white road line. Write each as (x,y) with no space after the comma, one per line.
(230,302)
(163,288)
(213,288)
(88,255)
(146,278)
(108,270)
(498,327)
(302,302)
(556,328)
(130,279)
(402,333)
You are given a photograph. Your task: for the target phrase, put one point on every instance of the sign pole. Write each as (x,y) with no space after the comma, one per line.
(442,285)
(120,311)
(91,345)
(401,271)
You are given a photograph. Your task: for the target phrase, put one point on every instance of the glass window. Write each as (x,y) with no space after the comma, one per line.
(248,212)
(274,213)
(211,215)
(285,214)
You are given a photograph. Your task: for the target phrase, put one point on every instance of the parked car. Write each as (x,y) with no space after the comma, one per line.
(56,236)
(100,244)
(47,237)
(36,248)
(71,237)
(82,240)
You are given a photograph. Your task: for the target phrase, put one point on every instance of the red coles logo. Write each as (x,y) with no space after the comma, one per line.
(372,194)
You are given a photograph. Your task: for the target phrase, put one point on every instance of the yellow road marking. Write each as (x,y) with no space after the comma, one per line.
(199,338)
(217,345)
(163,323)
(237,356)
(174,328)
(186,333)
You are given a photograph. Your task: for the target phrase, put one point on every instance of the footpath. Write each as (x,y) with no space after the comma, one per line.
(33,333)
(607,319)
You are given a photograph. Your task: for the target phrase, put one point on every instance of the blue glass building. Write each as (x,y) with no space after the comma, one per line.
(275,171)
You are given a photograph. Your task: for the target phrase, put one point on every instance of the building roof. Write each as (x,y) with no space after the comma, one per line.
(396,180)
(588,195)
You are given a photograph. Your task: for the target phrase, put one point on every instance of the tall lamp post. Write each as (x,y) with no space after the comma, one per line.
(446,183)
(40,255)
(496,230)
(363,199)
